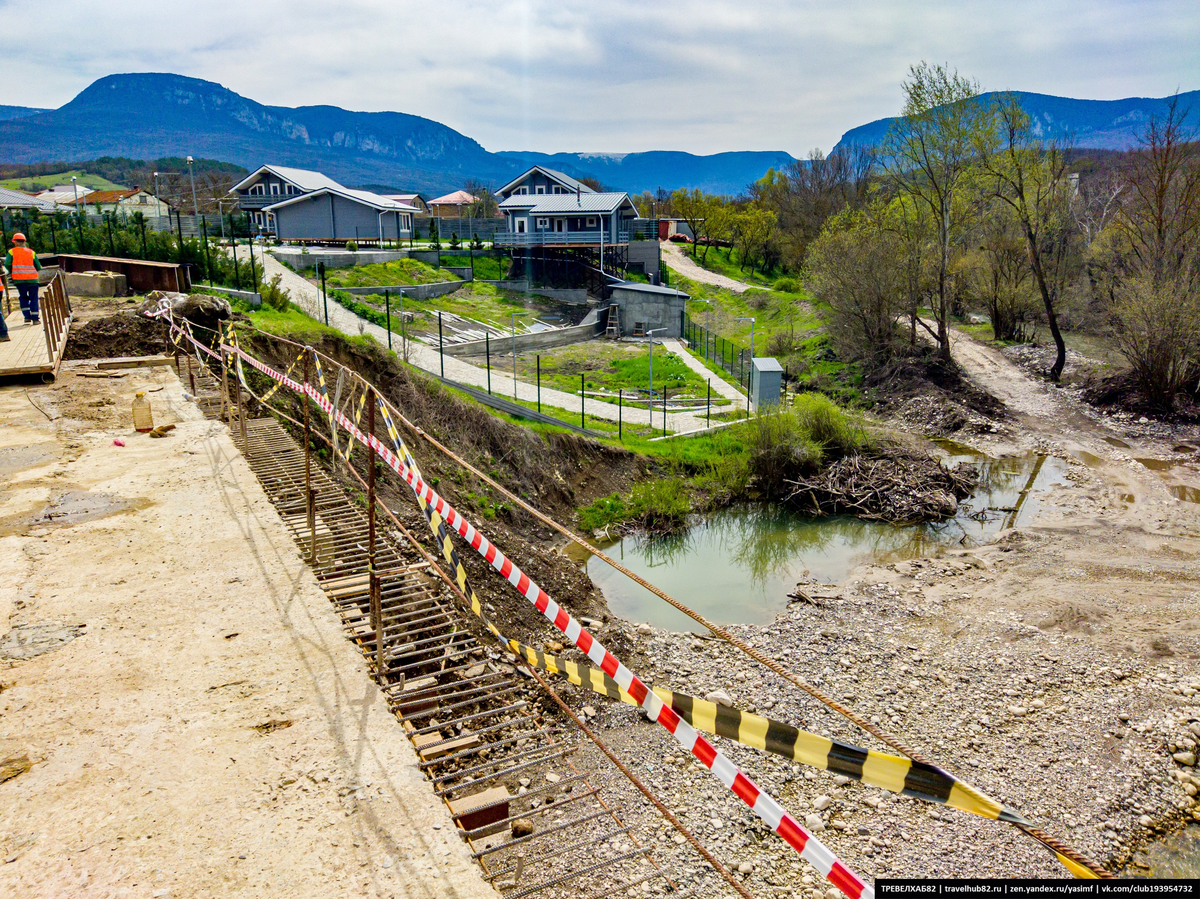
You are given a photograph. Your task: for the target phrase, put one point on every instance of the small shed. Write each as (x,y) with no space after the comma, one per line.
(766,382)
(646,307)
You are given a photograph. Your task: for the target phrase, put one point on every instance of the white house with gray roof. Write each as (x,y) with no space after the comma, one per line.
(304,206)
(545,208)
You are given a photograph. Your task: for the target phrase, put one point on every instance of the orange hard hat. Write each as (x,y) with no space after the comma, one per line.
(18,236)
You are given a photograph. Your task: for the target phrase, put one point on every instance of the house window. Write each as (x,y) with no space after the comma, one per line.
(521,191)
(541,188)
(258,189)
(258,219)
(559,190)
(274,189)
(520,226)
(543,224)
(591,222)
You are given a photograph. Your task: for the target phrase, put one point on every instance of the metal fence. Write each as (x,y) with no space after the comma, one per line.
(464,228)
(718,351)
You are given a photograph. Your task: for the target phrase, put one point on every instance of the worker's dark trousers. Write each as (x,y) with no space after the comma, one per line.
(29,299)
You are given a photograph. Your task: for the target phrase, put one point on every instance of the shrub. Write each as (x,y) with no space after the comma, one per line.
(780,450)
(1157,327)
(828,426)
(787,285)
(659,506)
(454,241)
(780,344)
(352,246)
(275,296)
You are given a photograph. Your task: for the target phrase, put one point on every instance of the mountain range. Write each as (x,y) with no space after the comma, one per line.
(1088,124)
(146,116)
(149,116)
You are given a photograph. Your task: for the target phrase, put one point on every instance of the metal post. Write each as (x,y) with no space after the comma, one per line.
(664,410)
(487,346)
(708,406)
(441,346)
(539,383)
(242,415)
(620,404)
(310,499)
(179,231)
(582,401)
(237,275)
(403,329)
(324,290)
(226,412)
(253,270)
(514,335)
(112,248)
(372,575)
(387,305)
(207,257)
(191,374)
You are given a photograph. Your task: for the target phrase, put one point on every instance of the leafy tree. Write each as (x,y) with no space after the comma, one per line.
(753,229)
(693,207)
(927,154)
(910,223)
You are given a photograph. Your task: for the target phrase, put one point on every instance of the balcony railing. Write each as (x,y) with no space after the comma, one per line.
(557,238)
(258,201)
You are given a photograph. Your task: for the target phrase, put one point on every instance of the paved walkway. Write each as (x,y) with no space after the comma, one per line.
(719,384)
(681,261)
(307,296)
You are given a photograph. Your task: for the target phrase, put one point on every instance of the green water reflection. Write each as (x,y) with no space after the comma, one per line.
(740,564)
(1177,856)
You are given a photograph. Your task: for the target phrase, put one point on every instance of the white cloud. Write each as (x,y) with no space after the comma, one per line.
(622,75)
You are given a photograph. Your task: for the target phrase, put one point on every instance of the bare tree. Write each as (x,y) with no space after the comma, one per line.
(1029,175)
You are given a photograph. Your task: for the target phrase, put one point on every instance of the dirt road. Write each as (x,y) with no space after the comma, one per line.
(196,722)
(681,261)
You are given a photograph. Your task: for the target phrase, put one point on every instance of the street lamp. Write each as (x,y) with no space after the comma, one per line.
(514,336)
(75,187)
(192,176)
(650,404)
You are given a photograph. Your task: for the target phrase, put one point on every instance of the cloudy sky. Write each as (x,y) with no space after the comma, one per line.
(606,75)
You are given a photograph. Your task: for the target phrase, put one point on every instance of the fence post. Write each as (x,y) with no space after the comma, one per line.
(620,404)
(487,344)
(664,410)
(708,406)
(539,383)
(253,270)
(372,575)
(207,257)
(441,346)
(237,275)
(324,289)
(309,500)
(387,305)
(582,401)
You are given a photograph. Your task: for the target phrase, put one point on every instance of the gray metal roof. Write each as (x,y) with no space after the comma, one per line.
(375,201)
(766,363)
(302,178)
(566,204)
(639,287)
(564,180)
(14,199)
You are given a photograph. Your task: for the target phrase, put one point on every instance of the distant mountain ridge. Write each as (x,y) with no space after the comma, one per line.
(18,112)
(1088,124)
(147,116)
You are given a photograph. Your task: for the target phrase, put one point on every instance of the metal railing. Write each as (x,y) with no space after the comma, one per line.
(557,238)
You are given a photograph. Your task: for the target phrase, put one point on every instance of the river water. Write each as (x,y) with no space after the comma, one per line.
(739,564)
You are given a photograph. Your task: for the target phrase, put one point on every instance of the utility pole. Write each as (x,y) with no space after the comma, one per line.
(514,338)
(192,176)
(650,403)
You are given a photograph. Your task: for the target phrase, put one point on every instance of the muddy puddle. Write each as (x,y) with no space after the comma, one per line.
(739,565)
(19,458)
(1177,856)
(72,507)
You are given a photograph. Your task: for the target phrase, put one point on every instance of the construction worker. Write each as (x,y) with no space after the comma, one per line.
(3,309)
(23,267)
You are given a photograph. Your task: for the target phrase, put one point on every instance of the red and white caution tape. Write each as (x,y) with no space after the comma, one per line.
(763,805)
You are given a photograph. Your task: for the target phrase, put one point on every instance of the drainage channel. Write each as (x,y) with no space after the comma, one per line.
(530,817)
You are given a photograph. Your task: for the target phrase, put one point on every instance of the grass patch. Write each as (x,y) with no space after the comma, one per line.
(656,506)
(384,274)
(489,268)
(609,366)
(36,183)
(728,262)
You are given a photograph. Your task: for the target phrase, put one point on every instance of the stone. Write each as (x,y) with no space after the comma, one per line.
(645,630)
(822,802)
(1185,758)
(720,697)
(814,823)
(1017,711)
(745,868)
(552,777)
(554,646)
(1146,821)
(841,780)
(1038,704)
(588,711)
(522,827)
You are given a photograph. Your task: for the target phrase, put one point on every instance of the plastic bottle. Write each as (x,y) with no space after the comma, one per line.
(143,420)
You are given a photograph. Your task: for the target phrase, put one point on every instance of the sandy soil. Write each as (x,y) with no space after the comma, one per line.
(196,722)
(680,260)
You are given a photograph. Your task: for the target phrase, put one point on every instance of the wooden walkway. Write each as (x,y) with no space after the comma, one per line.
(29,349)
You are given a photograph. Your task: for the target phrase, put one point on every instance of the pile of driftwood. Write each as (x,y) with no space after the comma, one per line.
(900,487)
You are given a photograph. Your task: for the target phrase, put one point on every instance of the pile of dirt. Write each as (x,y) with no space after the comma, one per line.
(1119,392)
(123,334)
(929,394)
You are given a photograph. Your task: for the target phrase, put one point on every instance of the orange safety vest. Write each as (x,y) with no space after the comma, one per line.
(23,268)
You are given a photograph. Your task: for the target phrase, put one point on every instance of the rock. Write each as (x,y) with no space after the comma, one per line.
(745,868)
(841,780)
(524,781)
(1017,711)
(833,893)
(872,801)
(720,697)
(822,802)
(1146,821)
(588,711)
(814,823)
(552,777)
(645,630)
(522,827)
(13,766)
(554,646)
(1185,758)
(1194,727)
(1038,704)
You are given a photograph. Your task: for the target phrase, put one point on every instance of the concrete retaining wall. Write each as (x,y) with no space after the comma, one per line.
(463,271)
(336,259)
(644,254)
(429,257)
(253,298)
(95,284)
(654,307)
(542,340)
(521,286)
(416,291)
(576,295)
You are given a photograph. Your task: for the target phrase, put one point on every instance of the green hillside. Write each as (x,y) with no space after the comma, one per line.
(34,183)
